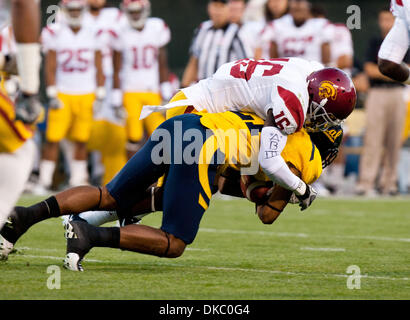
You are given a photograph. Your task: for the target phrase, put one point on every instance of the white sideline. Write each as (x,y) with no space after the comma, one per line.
(301,235)
(230,269)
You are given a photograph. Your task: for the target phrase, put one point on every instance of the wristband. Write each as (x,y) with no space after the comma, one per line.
(100,93)
(52,92)
(116,97)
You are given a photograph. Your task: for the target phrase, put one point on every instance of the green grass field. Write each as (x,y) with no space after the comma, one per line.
(300,256)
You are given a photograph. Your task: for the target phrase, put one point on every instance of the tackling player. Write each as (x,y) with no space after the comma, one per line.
(16,148)
(140,57)
(288,93)
(396,44)
(74,79)
(187,190)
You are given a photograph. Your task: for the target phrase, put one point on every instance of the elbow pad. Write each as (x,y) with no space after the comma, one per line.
(273,165)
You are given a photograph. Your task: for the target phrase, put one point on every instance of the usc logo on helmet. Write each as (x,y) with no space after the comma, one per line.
(327,90)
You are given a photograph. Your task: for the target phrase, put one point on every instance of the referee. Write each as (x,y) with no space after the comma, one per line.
(216,41)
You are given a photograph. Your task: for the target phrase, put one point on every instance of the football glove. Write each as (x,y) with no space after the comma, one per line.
(28,108)
(306,199)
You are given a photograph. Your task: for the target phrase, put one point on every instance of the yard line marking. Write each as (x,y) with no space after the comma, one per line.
(301,235)
(231,269)
(323,249)
(58,258)
(263,233)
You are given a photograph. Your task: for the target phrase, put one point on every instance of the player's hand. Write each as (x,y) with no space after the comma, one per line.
(306,199)
(28,108)
(119,112)
(97,106)
(100,95)
(55,103)
(10,65)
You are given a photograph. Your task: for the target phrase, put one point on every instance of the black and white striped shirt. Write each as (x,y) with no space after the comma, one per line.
(214,47)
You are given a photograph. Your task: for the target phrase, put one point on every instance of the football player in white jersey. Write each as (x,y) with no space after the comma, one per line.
(299,35)
(140,69)
(288,93)
(396,44)
(74,79)
(107,138)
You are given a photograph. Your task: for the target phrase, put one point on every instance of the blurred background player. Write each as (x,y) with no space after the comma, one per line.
(298,34)
(273,9)
(108,139)
(141,75)
(16,148)
(74,79)
(216,41)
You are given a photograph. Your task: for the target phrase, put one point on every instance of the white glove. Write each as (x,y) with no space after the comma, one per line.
(166,91)
(53,101)
(306,199)
(100,95)
(117,105)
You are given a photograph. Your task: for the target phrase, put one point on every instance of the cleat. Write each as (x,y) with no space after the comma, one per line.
(78,244)
(6,248)
(72,262)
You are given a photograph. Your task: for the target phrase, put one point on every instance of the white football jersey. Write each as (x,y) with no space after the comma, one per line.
(107,24)
(140,65)
(303,42)
(401,9)
(257,86)
(76,72)
(342,43)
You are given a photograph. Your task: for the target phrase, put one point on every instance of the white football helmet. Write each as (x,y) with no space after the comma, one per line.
(70,12)
(137,12)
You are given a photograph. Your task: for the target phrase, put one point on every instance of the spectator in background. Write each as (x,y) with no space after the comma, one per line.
(273,9)
(216,42)
(296,35)
(385,114)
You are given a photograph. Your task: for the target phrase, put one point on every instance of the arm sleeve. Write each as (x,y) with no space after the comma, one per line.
(272,163)
(396,43)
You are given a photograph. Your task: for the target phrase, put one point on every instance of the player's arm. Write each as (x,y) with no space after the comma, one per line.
(273,50)
(101,92)
(372,71)
(345,61)
(392,52)
(277,202)
(191,72)
(273,141)
(26,28)
(50,70)
(116,95)
(326,53)
(165,85)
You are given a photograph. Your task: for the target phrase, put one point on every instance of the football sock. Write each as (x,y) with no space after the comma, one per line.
(104,237)
(24,218)
(47,168)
